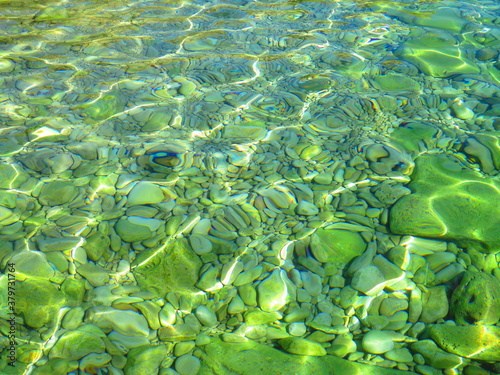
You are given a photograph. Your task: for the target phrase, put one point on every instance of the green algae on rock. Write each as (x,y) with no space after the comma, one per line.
(76,344)
(409,135)
(252,358)
(479,342)
(437,54)
(107,105)
(336,245)
(55,193)
(395,82)
(476,300)
(39,301)
(172,267)
(449,202)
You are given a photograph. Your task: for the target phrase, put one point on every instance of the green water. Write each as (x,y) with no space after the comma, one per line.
(197,187)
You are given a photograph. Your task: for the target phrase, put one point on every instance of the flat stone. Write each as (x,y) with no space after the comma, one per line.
(395,82)
(135,228)
(434,356)
(206,316)
(145,193)
(368,280)
(94,274)
(126,322)
(146,359)
(275,291)
(399,355)
(435,304)
(32,264)
(87,150)
(54,193)
(257,317)
(252,358)
(479,342)
(437,54)
(57,244)
(377,342)
(449,202)
(106,106)
(76,344)
(336,245)
(39,301)
(178,332)
(96,245)
(476,300)
(306,208)
(296,345)
(12,177)
(187,365)
(174,268)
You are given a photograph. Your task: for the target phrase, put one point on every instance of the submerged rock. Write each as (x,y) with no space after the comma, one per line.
(39,301)
(175,268)
(476,342)
(437,54)
(336,245)
(252,358)
(476,300)
(449,202)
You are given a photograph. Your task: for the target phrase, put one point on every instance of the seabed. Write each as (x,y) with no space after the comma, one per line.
(252,188)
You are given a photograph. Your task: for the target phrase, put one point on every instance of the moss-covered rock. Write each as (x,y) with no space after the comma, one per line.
(337,246)
(55,193)
(76,344)
(39,301)
(451,202)
(437,54)
(395,82)
(106,106)
(476,342)
(476,300)
(173,268)
(252,358)
(146,359)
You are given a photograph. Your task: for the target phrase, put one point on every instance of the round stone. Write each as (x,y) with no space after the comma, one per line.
(306,208)
(187,365)
(377,342)
(297,329)
(145,193)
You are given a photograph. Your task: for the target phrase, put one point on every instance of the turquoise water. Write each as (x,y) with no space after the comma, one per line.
(311,184)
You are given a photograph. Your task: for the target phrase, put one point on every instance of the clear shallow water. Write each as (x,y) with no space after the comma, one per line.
(172,147)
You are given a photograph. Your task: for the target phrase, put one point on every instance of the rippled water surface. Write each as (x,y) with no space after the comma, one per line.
(179,179)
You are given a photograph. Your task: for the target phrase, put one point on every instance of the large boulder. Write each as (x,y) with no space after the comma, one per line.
(476,300)
(449,202)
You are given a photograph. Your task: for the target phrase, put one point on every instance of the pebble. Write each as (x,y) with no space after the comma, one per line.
(434,356)
(399,355)
(434,304)
(307,208)
(377,342)
(295,345)
(206,316)
(368,280)
(123,321)
(187,365)
(273,292)
(146,359)
(297,329)
(145,193)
